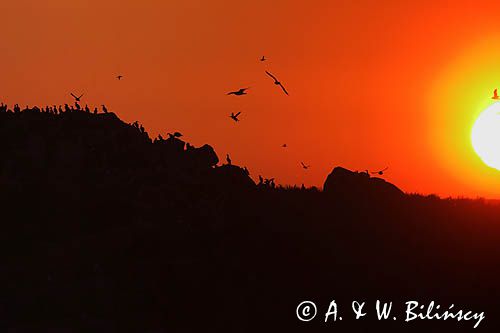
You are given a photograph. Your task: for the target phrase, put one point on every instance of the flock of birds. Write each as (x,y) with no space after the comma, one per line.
(234,117)
(243,91)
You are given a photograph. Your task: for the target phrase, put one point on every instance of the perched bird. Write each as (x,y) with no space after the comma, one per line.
(77,98)
(119,77)
(380,172)
(235,116)
(104,109)
(228,159)
(495,95)
(263,58)
(240,92)
(276,82)
(284,145)
(305,166)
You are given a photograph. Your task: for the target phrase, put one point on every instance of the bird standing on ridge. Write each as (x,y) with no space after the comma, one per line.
(277,82)
(240,92)
(235,116)
(495,95)
(305,167)
(77,98)
(380,172)
(228,159)
(104,109)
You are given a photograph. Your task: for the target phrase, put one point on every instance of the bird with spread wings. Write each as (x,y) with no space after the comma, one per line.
(77,98)
(240,92)
(380,172)
(277,82)
(235,116)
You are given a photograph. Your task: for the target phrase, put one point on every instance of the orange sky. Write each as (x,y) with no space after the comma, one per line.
(372,83)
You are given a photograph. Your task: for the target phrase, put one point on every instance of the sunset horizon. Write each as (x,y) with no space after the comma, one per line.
(265,166)
(371,85)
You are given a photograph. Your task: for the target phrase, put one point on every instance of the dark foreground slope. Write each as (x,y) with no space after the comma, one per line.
(104,230)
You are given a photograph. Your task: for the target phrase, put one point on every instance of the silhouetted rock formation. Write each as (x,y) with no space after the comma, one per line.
(345,183)
(77,150)
(103,230)
(234,175)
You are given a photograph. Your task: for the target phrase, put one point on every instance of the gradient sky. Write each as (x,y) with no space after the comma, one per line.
(372,83)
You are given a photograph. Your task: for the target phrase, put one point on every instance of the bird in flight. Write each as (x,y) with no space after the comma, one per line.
(235,116)
(174,135)
(305,167)
(119,77)
(240,92)
(495,95)
(284,145)
(263,58)
(77,98)
(277,82)
(380,172)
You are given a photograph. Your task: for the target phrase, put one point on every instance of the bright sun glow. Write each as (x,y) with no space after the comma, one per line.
(486,136)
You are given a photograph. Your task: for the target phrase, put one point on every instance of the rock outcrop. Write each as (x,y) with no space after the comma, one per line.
(342,182)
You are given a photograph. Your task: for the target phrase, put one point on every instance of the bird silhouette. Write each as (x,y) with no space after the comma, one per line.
(380,172)
(495,95)
(277,82)
(77,98)
(119,77)
(104,109)
(228,159)
(240,92)
(235,116)
(284,145)
(174,135)
(263,58)
(305,166)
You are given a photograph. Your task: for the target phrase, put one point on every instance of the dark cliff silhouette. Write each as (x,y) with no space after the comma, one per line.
(107,230)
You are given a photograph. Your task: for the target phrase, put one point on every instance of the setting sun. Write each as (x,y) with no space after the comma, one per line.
(485,136)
